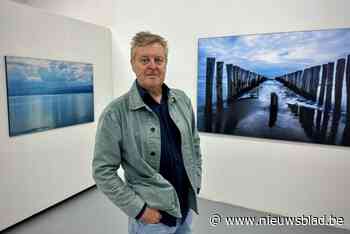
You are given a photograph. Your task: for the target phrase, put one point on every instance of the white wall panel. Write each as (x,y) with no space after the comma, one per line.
(41,169)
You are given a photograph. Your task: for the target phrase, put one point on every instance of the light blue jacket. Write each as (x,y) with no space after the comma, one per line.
(124,138)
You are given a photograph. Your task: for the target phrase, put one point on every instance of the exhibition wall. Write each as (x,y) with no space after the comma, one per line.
(41,169)
(92,11)
(281,177)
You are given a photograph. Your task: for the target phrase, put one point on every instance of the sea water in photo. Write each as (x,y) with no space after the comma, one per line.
(46,94)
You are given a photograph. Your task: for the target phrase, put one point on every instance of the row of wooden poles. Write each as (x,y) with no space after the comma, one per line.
(319,130)
(239,81)
(306,84)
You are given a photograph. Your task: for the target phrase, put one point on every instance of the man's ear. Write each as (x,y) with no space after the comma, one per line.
(132,65)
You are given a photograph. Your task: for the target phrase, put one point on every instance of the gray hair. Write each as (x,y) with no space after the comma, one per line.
(142,39)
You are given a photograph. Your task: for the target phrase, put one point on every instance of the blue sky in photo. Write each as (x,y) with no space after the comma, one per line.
(276,54)
(28,75)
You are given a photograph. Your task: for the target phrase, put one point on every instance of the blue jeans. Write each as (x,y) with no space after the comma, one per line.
(138,227)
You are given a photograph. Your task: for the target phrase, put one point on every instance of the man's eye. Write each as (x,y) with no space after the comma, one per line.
(159,60)
(144,60)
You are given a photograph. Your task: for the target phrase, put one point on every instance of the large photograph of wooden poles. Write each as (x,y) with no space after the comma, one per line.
(290,86)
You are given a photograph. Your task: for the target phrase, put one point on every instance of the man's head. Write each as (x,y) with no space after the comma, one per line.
(149,53)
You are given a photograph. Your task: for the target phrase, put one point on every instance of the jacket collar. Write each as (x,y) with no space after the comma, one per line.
(135,98)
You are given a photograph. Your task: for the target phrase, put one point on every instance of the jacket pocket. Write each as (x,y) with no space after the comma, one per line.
(155,191)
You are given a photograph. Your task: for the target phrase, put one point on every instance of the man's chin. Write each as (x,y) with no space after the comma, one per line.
(153,82)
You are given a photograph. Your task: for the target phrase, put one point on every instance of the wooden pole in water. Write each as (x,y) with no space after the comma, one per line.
(309,83)
(339,76)
(303,86)
(324,127)
(309,121)
(348,90)
(249,73)
(209,93)
(229,81)
(273,109)
(255,80)
(312,84)
(219,73)
(315,81)
(304,91)
(251,82)
(248,79)
(294,75)
(323,84)
(318,124)
(300,81)
(239,80)
(234,81)
(346,133)
(242,79)
(209,84)
(329,86)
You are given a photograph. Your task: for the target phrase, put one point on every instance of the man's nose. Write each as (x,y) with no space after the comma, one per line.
(152,64)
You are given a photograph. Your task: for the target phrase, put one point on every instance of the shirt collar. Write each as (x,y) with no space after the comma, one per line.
(135,99)
(146,96)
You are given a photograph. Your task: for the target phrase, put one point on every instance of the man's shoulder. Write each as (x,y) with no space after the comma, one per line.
(118,105)
(180,94)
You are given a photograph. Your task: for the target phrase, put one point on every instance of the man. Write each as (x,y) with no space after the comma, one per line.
(150,131)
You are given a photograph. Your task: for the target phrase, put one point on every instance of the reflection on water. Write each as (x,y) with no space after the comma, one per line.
(297,119)
(41,112)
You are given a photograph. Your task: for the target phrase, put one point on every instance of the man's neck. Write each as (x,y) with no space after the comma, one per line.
(156,94)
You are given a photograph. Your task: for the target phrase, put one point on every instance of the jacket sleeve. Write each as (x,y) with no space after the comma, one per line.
(196,143)
(107,160)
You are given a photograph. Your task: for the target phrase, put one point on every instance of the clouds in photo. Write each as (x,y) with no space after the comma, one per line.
(48,72)
(277,54)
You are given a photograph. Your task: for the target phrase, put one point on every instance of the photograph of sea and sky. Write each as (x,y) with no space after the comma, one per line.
(44,94)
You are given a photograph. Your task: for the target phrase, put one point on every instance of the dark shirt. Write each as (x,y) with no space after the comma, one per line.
(171,162)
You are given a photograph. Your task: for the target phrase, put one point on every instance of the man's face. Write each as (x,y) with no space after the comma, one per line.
(149,65)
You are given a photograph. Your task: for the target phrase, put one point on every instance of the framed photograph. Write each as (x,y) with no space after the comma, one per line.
(45,94)
(290,86)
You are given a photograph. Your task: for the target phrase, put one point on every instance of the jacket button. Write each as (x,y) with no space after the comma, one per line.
(153,129)
(152,153)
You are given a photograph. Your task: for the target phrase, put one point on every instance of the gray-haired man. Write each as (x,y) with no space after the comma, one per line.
(150,131)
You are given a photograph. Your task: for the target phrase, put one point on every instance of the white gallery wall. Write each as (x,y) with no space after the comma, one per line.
(41,169)
(281,177)
(94,11)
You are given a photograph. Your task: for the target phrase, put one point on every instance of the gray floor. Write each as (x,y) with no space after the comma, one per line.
(91,213)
